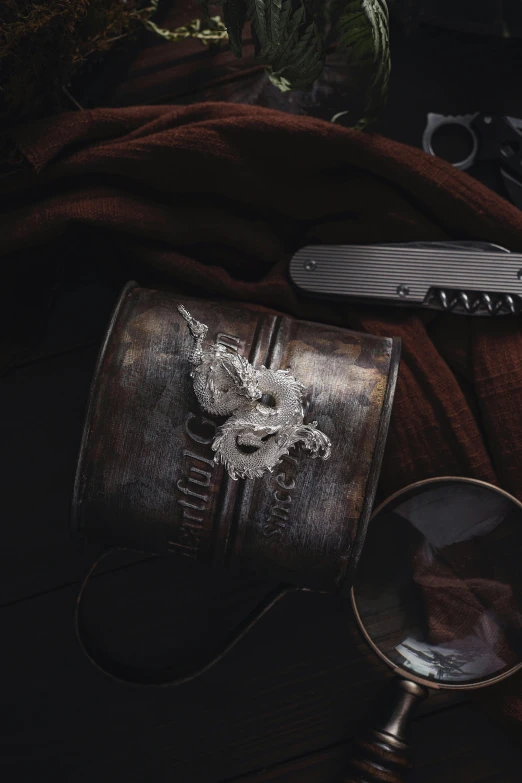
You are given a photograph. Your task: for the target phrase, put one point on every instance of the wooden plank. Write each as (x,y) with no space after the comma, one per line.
(45,396)
(302,681)
(454,746)
(297,683)
(45,404)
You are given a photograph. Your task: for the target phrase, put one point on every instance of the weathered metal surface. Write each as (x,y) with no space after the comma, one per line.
(146,478)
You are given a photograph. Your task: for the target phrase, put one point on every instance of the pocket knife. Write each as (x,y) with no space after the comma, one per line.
(493,138)
(471,278)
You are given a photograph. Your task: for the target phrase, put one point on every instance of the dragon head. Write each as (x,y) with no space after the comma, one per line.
(244,376)
(197,329)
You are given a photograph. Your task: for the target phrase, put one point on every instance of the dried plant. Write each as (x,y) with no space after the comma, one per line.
(45,43)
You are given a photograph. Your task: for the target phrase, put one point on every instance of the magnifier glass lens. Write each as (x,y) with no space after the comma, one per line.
(439,585)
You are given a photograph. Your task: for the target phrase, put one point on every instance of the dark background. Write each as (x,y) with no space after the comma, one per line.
(285,703)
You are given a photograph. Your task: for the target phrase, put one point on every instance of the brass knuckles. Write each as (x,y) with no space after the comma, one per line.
(436,121)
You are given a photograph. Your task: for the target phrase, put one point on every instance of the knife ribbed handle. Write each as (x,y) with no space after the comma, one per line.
(472,279)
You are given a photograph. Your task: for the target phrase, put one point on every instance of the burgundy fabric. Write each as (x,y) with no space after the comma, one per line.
(218,196)
(471,592)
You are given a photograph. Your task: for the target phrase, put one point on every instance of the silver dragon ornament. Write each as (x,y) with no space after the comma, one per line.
(265,408)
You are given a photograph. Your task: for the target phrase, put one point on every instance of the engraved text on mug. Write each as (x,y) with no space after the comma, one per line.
(197,474)
(279,515)
(196,478)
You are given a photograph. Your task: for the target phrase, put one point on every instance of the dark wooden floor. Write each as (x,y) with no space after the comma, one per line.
(285,703)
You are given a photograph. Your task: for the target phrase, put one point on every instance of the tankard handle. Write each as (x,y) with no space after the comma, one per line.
(136,675)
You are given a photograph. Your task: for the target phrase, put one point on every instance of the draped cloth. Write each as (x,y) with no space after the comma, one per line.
(216,197)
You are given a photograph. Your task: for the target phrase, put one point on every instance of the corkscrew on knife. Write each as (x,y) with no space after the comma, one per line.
(469,278)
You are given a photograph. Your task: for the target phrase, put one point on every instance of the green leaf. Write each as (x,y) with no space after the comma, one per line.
(257,12)
(234,15)
(363,30)
(318,11)
(289,35)
(286,11)
(299,61)
(301,51)
(334,11)
(204,9)
(274,23)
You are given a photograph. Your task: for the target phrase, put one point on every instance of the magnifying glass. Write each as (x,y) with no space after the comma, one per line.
(438,596)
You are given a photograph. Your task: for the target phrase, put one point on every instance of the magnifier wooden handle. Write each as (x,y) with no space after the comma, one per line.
(382,755)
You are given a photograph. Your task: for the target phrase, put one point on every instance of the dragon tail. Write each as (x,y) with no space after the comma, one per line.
(313,440)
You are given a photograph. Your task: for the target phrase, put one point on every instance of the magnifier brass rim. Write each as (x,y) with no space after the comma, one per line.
(405,673)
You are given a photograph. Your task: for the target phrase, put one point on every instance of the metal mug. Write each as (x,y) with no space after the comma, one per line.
(147,479)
